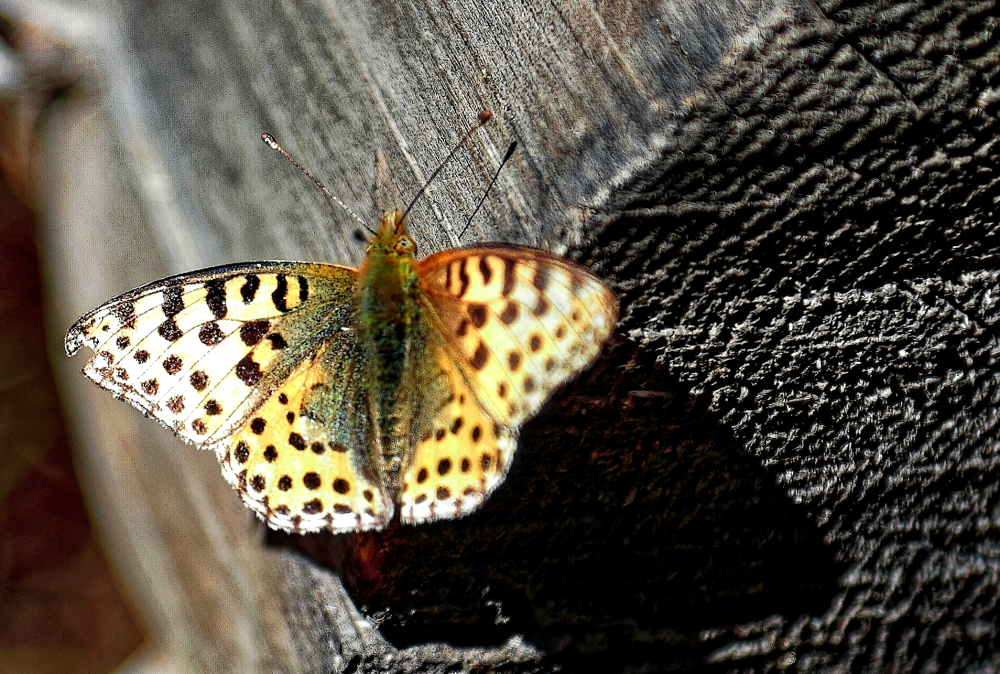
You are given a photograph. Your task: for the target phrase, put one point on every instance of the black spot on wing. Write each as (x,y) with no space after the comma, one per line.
(280,294)
(173,301)
(248,370)
(253,331)
(480,357)
(509,313)
(172,364)
(509,277)
(169,331)
(216,297)
(477,314)
(541,280)
(199,380)
(242,452)
(210,334)
(125,313)
(463,278)
(485,271)
(250,287)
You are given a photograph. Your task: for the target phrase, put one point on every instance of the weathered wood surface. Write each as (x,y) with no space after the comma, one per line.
(789,456)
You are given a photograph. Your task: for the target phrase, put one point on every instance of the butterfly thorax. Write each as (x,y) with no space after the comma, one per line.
(391,328)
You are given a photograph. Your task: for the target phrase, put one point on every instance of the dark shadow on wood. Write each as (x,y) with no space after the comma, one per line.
(630,523)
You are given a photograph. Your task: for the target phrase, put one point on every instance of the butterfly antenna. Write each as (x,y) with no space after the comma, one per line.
(331,199)
(484,117)
(506,157)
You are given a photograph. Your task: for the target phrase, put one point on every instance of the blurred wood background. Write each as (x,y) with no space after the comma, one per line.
(785,459)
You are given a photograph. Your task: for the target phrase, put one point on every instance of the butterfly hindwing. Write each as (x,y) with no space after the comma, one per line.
(519,321)
(461,455)
(302,460)
(210,352)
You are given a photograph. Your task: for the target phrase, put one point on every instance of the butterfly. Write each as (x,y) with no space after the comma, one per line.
(332,395)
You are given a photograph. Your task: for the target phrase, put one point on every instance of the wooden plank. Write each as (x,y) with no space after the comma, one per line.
(793,199)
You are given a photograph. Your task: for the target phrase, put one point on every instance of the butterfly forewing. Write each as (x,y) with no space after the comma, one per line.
(519,321)
(168,347)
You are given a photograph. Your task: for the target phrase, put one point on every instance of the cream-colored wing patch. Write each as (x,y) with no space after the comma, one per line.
(521,322)
(462,457)
(289,470)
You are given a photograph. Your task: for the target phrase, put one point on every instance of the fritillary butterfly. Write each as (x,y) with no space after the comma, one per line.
(331,395)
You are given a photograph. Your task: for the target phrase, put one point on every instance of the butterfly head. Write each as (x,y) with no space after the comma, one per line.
(391,240)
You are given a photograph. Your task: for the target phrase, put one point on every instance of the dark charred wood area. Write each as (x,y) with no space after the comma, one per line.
(789,458)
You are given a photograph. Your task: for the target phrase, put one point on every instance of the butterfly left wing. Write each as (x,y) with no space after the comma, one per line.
(220,354)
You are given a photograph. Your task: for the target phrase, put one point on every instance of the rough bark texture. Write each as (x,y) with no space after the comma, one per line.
(787,457)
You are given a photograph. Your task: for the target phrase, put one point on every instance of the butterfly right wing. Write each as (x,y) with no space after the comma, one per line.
(222,356)
(506,326)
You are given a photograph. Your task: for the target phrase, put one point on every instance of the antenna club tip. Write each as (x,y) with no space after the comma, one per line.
(485,116)
(269,140)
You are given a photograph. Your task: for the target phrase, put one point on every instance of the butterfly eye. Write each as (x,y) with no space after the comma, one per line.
(405,246)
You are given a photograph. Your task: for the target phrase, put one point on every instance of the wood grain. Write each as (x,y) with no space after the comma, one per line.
(793,199)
